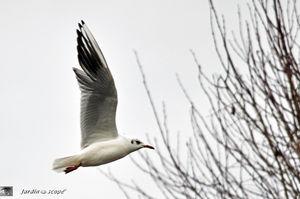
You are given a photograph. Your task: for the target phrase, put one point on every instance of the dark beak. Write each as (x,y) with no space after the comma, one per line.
(148,146)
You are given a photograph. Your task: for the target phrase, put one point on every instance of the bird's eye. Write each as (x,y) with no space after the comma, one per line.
(138,142)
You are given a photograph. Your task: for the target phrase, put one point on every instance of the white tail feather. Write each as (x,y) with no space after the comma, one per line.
(60,164)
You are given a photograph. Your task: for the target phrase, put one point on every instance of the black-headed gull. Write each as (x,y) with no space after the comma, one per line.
(100,142)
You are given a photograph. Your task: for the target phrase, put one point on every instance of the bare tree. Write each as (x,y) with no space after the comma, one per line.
(249,147)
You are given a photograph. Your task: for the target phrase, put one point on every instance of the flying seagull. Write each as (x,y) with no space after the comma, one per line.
(100,141)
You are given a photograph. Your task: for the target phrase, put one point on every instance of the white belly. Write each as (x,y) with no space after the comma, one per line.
(102,153)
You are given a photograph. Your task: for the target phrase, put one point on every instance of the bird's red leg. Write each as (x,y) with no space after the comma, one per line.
(71,168)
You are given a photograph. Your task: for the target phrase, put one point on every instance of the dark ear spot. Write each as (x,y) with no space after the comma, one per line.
(131,141)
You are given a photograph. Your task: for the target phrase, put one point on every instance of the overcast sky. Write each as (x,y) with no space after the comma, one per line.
(40,97)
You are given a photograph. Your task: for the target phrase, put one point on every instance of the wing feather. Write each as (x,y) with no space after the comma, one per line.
(98,92)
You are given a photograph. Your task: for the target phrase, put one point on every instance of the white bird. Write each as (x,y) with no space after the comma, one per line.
(100,141)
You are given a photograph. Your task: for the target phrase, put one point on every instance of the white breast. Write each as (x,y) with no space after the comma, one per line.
(104,152)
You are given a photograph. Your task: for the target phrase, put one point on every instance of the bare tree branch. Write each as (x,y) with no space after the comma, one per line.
(249,145)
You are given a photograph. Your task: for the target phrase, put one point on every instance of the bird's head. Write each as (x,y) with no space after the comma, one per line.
(136,144)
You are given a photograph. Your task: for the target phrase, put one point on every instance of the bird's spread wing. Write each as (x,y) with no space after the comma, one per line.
(98,92)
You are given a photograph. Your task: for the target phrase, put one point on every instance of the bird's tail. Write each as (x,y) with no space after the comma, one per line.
(64,164)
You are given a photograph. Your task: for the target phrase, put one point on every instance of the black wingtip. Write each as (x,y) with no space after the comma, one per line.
(80,24)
